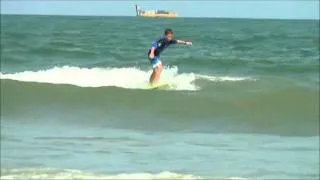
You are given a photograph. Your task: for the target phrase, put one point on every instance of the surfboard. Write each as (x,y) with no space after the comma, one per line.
(162,85)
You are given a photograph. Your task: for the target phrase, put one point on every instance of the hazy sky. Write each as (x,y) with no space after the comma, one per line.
(287,9)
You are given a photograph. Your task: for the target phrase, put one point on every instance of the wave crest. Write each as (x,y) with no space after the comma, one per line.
(130,77)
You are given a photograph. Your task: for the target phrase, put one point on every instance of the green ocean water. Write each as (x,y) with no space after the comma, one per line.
(73,105)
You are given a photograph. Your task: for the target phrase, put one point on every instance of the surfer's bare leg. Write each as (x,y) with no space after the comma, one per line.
(155,76)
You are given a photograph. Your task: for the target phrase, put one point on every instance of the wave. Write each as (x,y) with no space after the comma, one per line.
(224,107)
(47,173)
(130,77)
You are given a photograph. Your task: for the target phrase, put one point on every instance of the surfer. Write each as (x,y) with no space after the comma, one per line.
(154,53)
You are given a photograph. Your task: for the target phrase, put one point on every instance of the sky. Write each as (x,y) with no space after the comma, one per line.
(266,9)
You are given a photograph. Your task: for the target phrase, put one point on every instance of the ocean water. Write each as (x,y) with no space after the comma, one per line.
(245,101)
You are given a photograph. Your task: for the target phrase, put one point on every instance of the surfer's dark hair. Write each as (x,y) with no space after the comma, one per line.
(168,31)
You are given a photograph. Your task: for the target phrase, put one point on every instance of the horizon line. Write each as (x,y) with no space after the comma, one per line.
(211,17)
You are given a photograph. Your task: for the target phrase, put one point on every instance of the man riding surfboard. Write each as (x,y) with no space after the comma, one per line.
(157,48)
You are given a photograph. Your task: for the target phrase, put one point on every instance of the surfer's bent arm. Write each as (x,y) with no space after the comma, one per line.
(154,46)
(152,50)
(151,55)
(184,42)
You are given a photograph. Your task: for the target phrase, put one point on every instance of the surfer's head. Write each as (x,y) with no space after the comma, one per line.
(168,33)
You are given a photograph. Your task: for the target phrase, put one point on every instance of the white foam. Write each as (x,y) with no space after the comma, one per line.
(49,173)
(130,77)
(76,174)
(224,78)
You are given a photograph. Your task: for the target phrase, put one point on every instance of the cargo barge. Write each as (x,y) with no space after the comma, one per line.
(155,13)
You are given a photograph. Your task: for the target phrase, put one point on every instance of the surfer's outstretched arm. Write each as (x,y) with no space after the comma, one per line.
(184,42)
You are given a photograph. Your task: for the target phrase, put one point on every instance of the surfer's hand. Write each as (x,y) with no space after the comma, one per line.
(189,43)
(151,56)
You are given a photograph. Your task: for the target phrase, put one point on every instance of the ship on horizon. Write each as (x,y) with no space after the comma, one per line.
(154,13)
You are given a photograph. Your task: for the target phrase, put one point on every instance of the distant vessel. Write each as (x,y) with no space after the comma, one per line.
(155,13)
